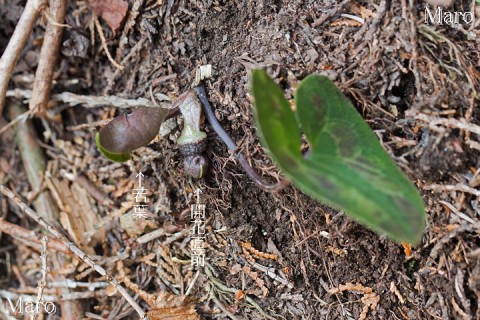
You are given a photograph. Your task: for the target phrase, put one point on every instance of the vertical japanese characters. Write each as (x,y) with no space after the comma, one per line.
(197,244)
(140,199)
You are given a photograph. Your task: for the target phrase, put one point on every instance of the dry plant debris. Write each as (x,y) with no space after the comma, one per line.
(369,299)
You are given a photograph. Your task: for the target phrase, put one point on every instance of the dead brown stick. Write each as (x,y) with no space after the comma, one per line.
(16,44)
(330,13)
(104,44)
(457,187)
(43,281)
(437,123)
(30,236)
(73,99)
(48,57)
(72,247)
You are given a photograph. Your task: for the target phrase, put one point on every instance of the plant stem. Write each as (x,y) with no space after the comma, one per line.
(232,146)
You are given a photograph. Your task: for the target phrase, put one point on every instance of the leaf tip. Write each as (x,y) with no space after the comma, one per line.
(116,157)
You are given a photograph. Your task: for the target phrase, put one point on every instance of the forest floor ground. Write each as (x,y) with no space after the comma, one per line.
(416,84)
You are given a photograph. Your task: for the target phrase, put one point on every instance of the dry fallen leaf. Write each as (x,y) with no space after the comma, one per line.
(112,11)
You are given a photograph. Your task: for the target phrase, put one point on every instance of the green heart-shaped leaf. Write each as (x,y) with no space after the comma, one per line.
(346,167)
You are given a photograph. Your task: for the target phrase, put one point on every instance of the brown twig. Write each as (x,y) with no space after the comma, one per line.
(458,187)
(104,44)
(436,123)
(330,13)
(72,99)
(72,247)
(25,297)
(43,281)
(48,57)
(21,117)
(15,45)
(412,22)
(31,237)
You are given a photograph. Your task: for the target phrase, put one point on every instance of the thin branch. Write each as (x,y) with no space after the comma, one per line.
(433,122)
(72,247)
(25,297)
(48,56)
(151,236)
(30,237)
(458,187)
(104,44)
(67,283)
(24,116)
(43,281)
(330,13)
(73,99)
(16,44)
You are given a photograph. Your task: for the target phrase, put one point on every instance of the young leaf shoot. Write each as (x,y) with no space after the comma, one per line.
(128,132)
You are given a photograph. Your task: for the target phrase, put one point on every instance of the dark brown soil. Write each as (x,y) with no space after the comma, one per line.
(391,67)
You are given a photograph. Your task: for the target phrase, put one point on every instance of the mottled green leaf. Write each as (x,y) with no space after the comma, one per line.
(346,166)
(276,120)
